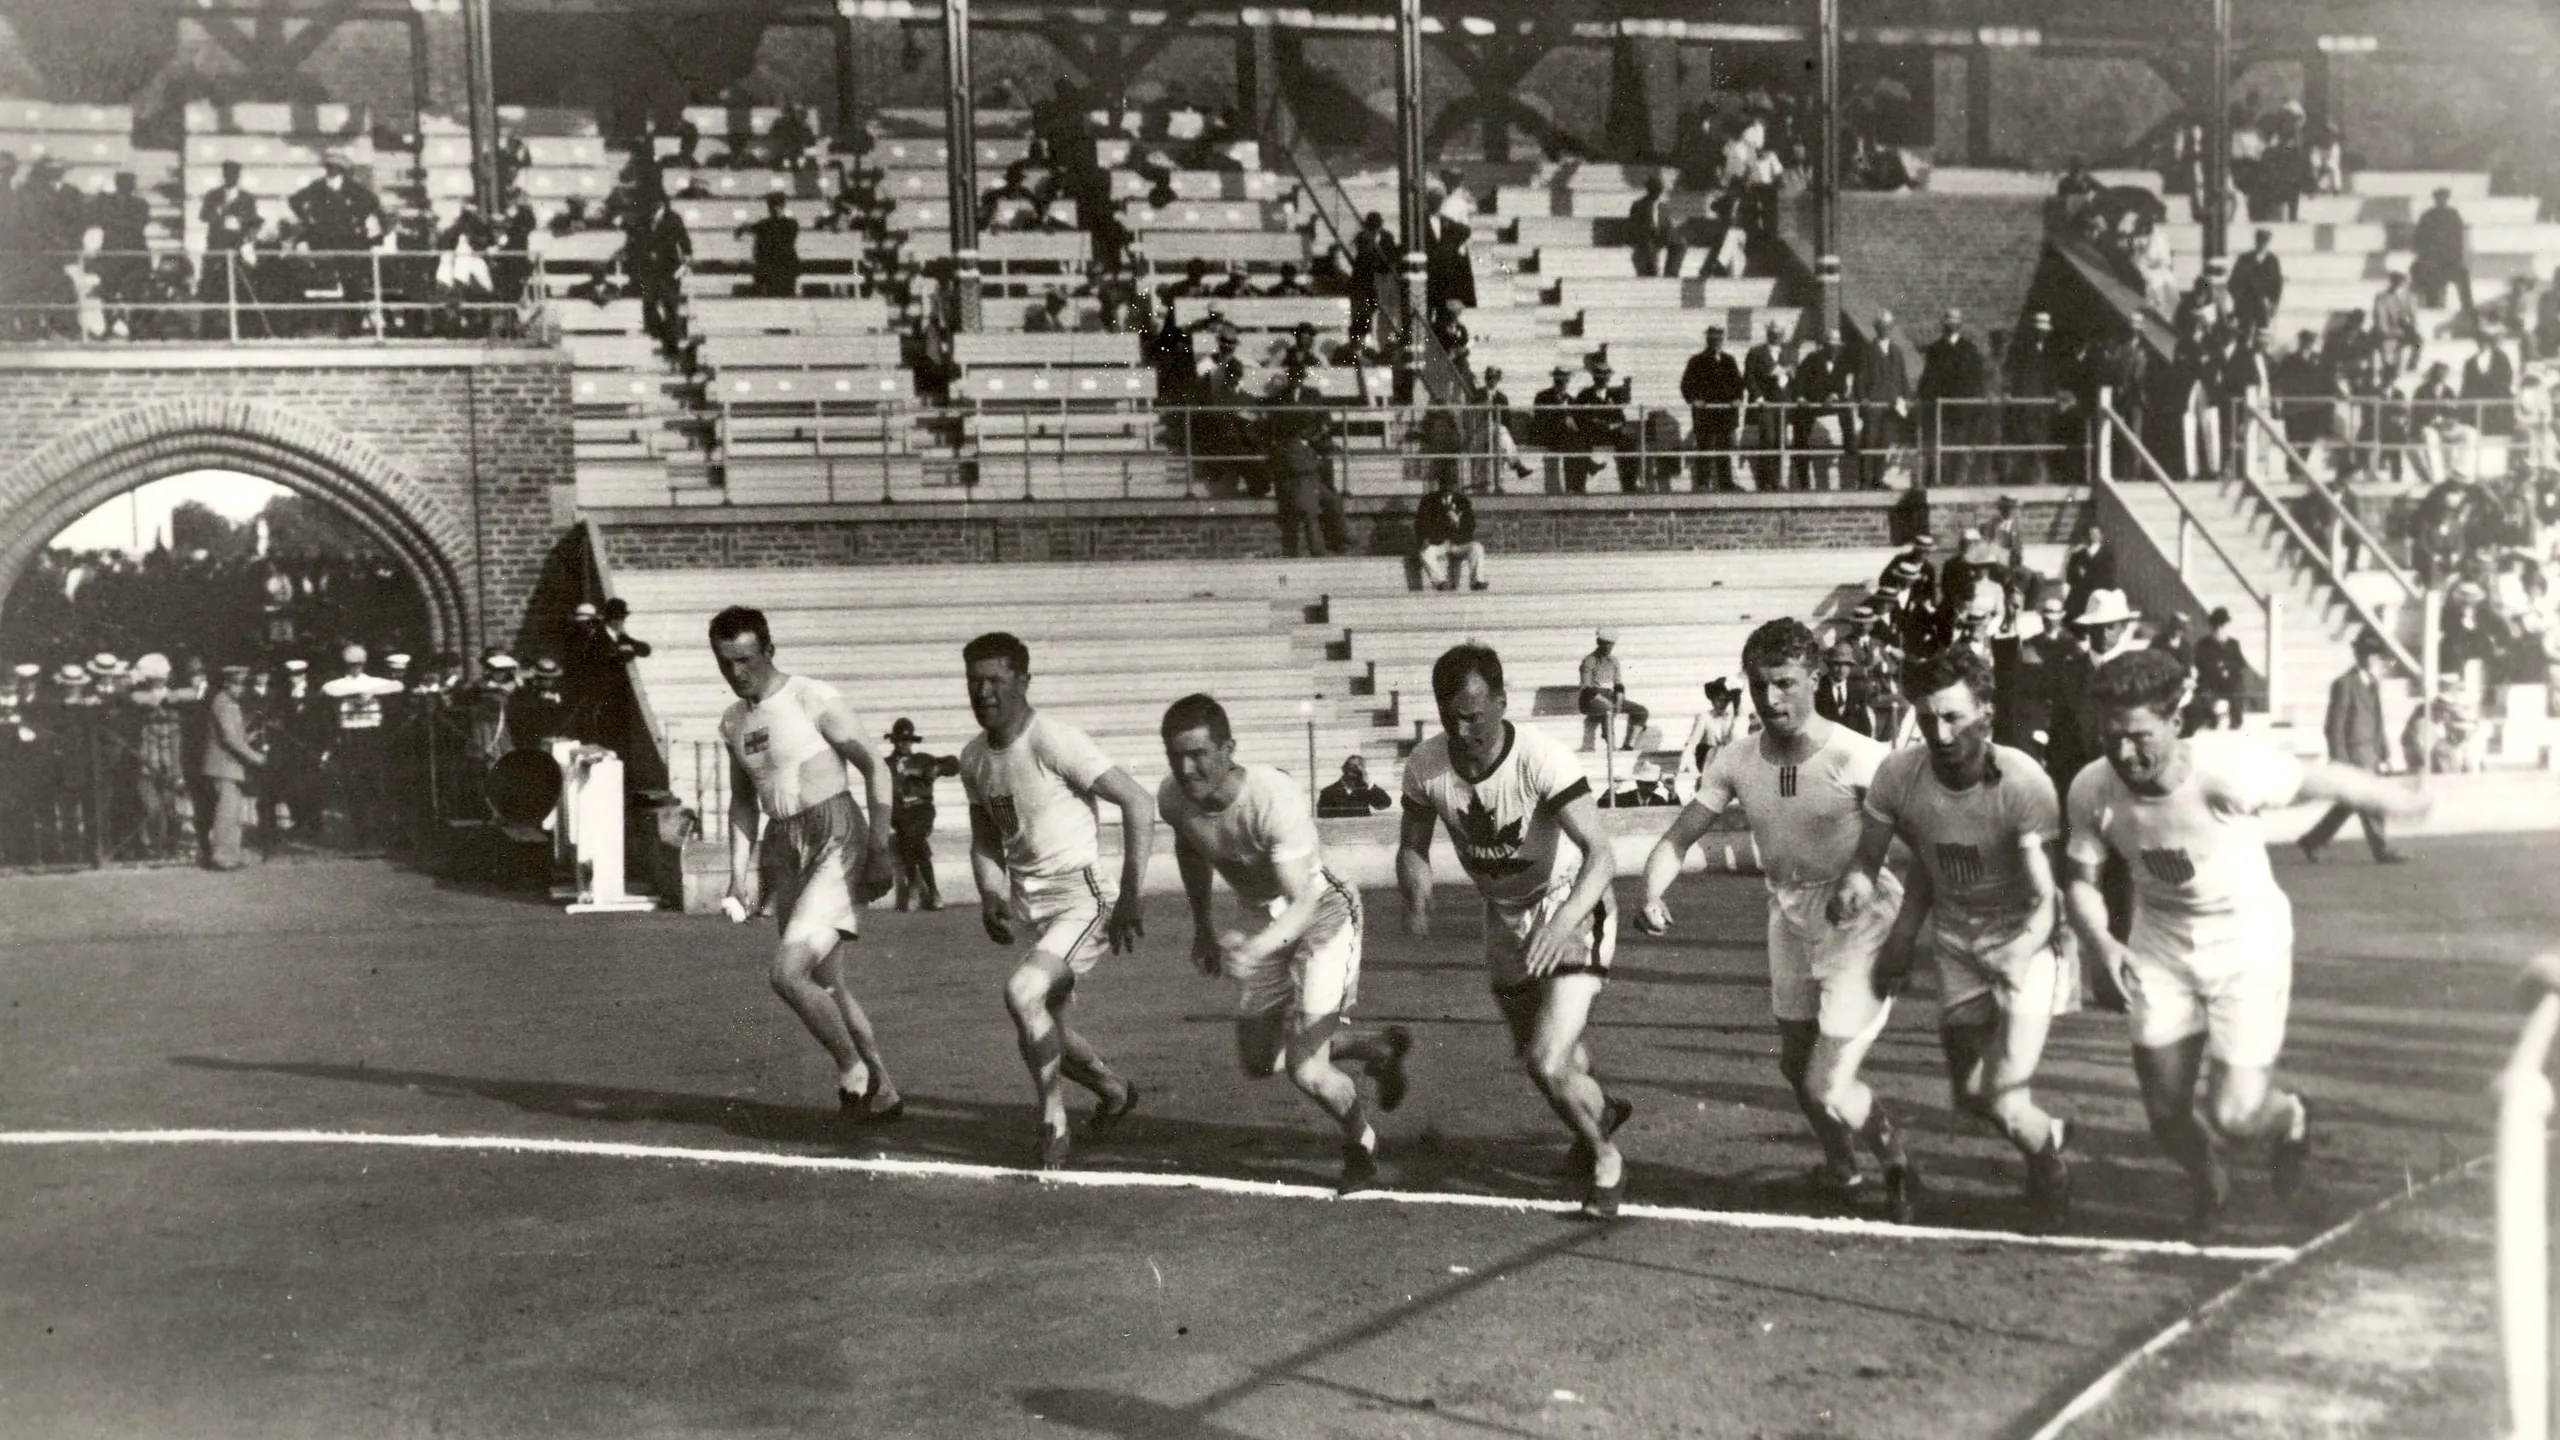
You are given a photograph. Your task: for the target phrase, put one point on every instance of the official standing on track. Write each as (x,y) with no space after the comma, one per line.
(2208,969)
(789,740)
(1299,974)
(1036,850)
(1511,798)
(1802,784)
(913,772)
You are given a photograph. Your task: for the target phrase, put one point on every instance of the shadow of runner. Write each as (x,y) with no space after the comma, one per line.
(1134,1418)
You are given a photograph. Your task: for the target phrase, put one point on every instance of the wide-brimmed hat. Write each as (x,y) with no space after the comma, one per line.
(26,670)
(154,666)
(71,675)
(547,667)
(499,661)
(104,663)
(902,729)
(583,611)
(2107,607)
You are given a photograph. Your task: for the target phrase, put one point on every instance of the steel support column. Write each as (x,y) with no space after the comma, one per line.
(1409,173)
(480,91)
(1826,262)
(840,29)
(2217,140)
(960,112)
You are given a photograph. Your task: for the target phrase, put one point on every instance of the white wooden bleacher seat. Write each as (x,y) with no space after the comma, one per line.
(1170,251)
(801,388)
(726,354)
(1277,313)
(758,315)
(1211,215)
(1048,350)
(1098,386)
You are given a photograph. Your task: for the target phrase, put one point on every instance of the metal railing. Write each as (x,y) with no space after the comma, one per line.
(2339,525)
(2523,1201)
(246,296)
(2327,573)
(2392,435)
(2114,432)
(887,450)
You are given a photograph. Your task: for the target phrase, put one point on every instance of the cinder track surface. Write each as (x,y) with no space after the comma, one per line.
(346,1289)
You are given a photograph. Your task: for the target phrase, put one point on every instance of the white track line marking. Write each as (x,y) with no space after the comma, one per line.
(1139,1180)
(2103,1389)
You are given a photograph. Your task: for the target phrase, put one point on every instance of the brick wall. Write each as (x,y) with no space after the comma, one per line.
(450,457)
(686,539)
(1916,254)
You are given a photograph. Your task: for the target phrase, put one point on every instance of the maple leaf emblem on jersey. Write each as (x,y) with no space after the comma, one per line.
(1485,846)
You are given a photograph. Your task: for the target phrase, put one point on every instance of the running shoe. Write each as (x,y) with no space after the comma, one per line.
(2204,1211)
(1602,1201)
(856,1109)
(1389,1073)
(1359,1170)
(2291,1157)
(2049,1184)
(1107,1116)
(1902,1192)
(1049,1149)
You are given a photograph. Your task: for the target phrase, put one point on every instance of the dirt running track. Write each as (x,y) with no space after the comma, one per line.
(342,1290)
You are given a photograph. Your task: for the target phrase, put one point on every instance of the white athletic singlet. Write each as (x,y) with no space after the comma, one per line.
(2198,854)
(1505,825)
(1805,818)
(1039,792)
(1972,841)
(778,741)
(1264,828)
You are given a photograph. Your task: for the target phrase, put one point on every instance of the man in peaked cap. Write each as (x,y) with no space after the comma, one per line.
(1602,693)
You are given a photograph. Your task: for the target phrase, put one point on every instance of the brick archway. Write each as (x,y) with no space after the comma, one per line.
(66,478)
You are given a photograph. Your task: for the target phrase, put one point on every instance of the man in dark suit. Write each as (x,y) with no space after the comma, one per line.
(1843,696)
(2443,245)
(1551,426)
(2356,737)
(1300,435)
(2034,367)
(776,256)
(1447,273)
(1374,258)
(1950,393)
(1767,379)
(1885,374)
(1653,233)
(2489,385)
(2257,284)
(1713,386)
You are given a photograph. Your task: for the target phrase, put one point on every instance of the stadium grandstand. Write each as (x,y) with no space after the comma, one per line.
(1270,354)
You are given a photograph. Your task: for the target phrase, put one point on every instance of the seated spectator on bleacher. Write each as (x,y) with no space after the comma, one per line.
(774,260)
(1352,796)
(1238,284)
(2395,322)
(788,140)
(1194,284)
(1291,284)
(1449,329)
(1049,317)
(1652,233)
(1601,694)
(1504,426)
(1444,534)
(1014,190)
(1717,725)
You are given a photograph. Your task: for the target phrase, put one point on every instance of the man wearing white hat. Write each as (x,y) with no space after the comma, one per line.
(159,761)
(1603,694)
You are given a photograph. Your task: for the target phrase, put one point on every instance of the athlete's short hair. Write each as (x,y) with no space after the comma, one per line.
(1198,712)
(740,620)
(1950,665)
(998,645)
(1778,641)
(1449,673)
(2150,679)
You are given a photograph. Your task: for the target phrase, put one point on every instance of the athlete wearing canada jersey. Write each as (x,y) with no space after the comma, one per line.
(2211,950)
(1512,845)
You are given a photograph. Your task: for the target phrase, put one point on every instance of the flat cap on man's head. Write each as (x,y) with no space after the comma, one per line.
(1606,635)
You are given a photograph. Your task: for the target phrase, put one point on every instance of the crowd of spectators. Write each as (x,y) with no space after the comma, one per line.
(249,708)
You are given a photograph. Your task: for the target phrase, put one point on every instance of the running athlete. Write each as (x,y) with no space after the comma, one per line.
(1036,851)
(1510,797)
(1300,973)
(1802,784)
(1979,819)
(2207,970)
(789,740)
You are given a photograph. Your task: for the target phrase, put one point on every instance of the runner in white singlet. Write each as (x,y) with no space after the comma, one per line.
(2208,968)
(1512,799)
(1298,975)
(1978,819)
(1036,849)
(789,740)
(1802,785)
